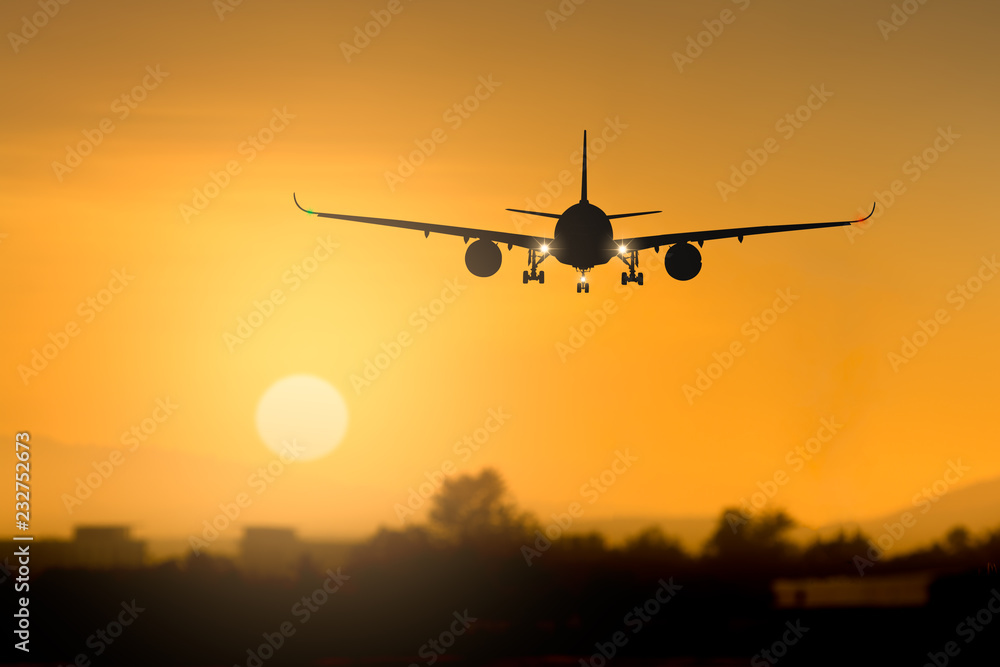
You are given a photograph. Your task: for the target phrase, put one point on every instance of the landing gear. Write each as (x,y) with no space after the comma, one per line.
(583,285)
(535,257)
(633,260)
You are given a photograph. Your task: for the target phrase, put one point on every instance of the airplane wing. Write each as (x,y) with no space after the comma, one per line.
(520,240)
(643,242)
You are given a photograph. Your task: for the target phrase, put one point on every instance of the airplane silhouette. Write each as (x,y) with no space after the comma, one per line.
(584,238)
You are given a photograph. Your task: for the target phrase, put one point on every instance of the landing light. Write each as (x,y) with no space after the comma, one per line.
(545,248)
(622,249)
(583,279)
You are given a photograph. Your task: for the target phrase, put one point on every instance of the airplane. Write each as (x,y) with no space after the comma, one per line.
(583,238)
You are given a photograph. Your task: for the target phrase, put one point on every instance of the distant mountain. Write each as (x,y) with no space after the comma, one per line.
(976,507)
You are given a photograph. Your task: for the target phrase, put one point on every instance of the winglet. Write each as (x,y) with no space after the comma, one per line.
(870,214)
(583,188)
(300,205)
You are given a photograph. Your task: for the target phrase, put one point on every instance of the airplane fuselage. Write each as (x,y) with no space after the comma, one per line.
(583,237)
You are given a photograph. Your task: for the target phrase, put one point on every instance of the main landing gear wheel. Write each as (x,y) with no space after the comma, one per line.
(535,257)
(631,276)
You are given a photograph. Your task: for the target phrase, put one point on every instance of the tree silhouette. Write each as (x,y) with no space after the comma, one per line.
(652,542)
(391,545)
(834,556)
(476,510)
(958,539)
(758,542)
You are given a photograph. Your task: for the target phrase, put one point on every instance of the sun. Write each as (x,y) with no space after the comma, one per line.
(305,409)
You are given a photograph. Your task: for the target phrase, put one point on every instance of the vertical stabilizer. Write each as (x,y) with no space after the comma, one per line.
(583,188)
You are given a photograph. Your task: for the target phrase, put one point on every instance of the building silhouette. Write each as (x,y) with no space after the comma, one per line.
(278,552)
(92,548)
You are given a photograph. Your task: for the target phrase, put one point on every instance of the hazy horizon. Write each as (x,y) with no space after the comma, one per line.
(105,506)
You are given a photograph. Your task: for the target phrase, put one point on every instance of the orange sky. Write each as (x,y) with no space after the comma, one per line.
(330,130)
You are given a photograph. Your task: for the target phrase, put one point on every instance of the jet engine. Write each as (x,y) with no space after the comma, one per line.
(483,258)
(682,261)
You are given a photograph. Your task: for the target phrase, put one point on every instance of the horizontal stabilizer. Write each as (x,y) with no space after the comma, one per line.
(544,215)
(629,215)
